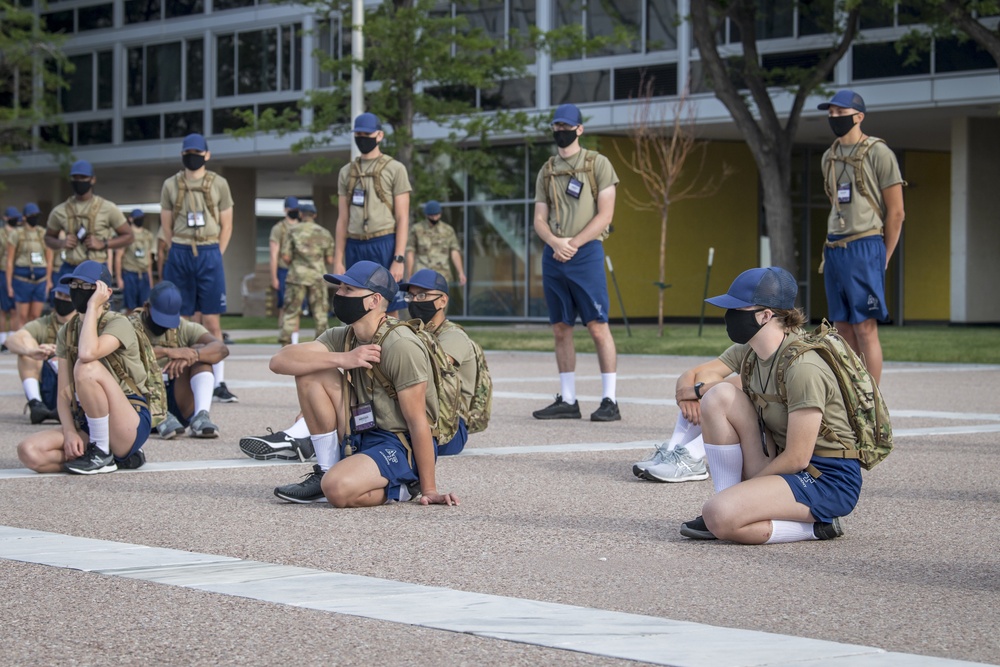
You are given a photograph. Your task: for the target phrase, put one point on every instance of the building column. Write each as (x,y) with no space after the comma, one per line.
(975,222)
(241,254)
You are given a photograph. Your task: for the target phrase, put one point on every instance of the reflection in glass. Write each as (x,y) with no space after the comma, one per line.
(105,77)
(176,125)
(507,182)
(95,18)
(79,95)
(226,66)
(661,25)
(195,69)
(142,128)
(603,16)
(581,87)
(258,61)
(163,73)
(93,132)
(496,262)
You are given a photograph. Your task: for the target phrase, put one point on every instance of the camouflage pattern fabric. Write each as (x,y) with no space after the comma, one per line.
(432,246)
(319,305)
(307,246)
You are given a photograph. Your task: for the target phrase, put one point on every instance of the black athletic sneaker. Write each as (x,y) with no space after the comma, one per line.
(223,395)
(133,461)
(696,529)
(92,462)
(278,445)
(559,410)
(309,490)
(828,531)
(608,412)
(39,412)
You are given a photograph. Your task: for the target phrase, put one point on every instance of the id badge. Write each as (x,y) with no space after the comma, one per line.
(81,233)
(140,253)
(196,219)
(363,418)
(36,258)
(358,197)
(166,379)
(574,188)
(844,193)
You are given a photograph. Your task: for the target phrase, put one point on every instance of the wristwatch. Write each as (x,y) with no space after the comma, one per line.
(398,258)
(697,389)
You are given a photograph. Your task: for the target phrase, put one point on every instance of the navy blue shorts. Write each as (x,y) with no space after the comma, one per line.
(577,287)
(6,301)
(201,280)
(855,280)
(834,493)
(49,386)
(388,453)
(141,430)
(172,406)
(380,250)
(29,284)
(456,444)
(282,275)
(136,289)
(64,268)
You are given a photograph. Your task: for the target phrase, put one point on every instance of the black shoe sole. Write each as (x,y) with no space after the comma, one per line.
(262,451)
(546,417)
(300,501)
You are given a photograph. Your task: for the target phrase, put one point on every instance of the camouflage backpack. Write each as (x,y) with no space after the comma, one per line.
(446,380)
(482,397)
(866,409)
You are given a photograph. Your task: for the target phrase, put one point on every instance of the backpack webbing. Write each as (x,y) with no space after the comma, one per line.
(549,173)
(356,174)
(481,407)
(205,190)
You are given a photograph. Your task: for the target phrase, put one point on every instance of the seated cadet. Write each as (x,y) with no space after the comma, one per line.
(390,439)
(99,361)
(185,351)
(35,346)
(427,298)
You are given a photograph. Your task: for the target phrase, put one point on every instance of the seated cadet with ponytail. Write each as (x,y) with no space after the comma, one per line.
(99,362)
(775,480)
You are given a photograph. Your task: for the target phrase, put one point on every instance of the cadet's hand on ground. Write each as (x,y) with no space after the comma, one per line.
(364,356)
(439,499)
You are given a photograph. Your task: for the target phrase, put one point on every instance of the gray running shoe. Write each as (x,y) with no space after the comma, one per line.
(309,490)
(278,445)
(660,455)
(202,426)
(93,462)
(679,466)
(170,427)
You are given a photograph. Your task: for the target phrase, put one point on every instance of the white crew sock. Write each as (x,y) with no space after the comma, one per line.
(99,432)
(202,385)
(327,451)
(790,531)
(567,387)
(725,462)
(684,432)
(696,447)
(295,338)
(219,372)
(609,383)
(31,389)
(3,337)
(298,429)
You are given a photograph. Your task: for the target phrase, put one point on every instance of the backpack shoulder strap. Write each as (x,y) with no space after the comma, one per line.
(181,189)
(95,209)
(380,192)
(353,175)
(589,158)
(206,191)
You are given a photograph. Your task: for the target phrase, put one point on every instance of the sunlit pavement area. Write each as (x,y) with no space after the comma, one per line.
(557,554)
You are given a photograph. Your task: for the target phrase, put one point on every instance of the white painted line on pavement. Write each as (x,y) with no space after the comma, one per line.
(612,634)
(157,466)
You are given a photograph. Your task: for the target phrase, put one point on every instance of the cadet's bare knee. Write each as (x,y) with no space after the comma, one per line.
(335,490)
(28,454)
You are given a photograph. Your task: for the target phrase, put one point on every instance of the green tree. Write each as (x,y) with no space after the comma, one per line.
(953,18)
(745,87)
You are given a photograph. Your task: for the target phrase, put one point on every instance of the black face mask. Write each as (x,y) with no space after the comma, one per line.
(153,327)
(841,125)
(293,215)
(80,297)
(81,187)
(365,144)
(564,138)
(741,325)
(423,310)
(32,220)
(193,161)
(349,309)
(62,307)
(137,222)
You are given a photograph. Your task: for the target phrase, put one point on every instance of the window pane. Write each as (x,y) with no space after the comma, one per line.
(661,25)
(79,96)
(569,12)
(59,22)
(163,73)
(603,16)
(225,61)
(790,62)
(775,18)
(195,69)
(177,8)
(226,119)
(141,128)
(876,15)
(135,74)
(496,260)
(876,61)
(105,77)
(140,11)
(93,132)
(176,125)
(509,94)
(952,56)
(630,82)
(257,62)
(291,57)
(522,17)
(816,17)
(507,182)
(581,87)
(95,18)
(57,135)
(485,14)
(219,5)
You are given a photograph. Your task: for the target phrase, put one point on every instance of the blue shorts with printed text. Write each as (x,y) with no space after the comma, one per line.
(201,280)
(577,287)
(6,300)
(389,454)
(136,289)
(855,280)
(141,430)
(379,250)
(29,284)
(834,493)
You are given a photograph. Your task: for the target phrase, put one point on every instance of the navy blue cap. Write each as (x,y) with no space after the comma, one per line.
(367,275)
(367,123)
(848,99)
(12,212)
(292,203)
(81,168)
(31,208)
(137,213)
(62,289)
(90,272)
(307,208)
(194,142)
(772,287)
(567,113)
(165,304)
(432,208)
(427,279)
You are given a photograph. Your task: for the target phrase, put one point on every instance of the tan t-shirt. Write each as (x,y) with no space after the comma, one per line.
(187,230)
(188,333)
(733,356)
(568,215)
(137,256)
(117,325)
(28,245)
(458,346)
(73,215)
(372,215)
(404,361)
(278,233)
(881,171)
(45,329)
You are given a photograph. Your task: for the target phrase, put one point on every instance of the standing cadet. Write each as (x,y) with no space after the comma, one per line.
(307,250)
(92,226)
(374,205)
(279,268)
(8,316)
(574,206)
(432,245)
(133,269)
(29,266)
(196,216)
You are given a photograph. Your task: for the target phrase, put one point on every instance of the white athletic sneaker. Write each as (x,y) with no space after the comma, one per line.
(680,466)
(660,454)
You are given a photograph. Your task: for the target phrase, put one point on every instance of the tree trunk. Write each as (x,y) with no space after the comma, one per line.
(779,223)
